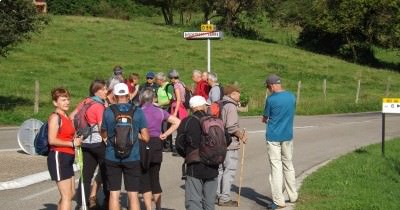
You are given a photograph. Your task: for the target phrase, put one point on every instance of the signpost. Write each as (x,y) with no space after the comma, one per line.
(391,106)
(208,31)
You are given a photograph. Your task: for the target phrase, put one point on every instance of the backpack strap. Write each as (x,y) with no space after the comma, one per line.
(115,110)
(221,92)
(166,90)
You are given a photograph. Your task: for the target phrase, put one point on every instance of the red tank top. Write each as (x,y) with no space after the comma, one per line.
(66,133)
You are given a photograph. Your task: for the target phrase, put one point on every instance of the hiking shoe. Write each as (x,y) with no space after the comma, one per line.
(229,203)
(274,206)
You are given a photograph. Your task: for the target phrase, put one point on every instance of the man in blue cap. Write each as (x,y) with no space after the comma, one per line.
(150,83)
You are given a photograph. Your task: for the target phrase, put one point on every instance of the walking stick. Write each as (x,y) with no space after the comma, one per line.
(241,172)
(80,163)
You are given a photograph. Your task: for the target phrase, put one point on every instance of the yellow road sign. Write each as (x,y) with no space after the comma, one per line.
(391,105)
(208,27)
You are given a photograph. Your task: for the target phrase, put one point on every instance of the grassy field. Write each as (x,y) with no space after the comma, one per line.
(360,180)
(71,51)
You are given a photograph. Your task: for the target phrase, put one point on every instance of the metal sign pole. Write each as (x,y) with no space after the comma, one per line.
(208,53)
(383,134)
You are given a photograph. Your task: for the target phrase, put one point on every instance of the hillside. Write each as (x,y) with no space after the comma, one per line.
(71,51)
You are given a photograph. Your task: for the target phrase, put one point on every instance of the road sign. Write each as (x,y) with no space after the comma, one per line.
(202,35)
(208,27)
(391,105)
(26,135)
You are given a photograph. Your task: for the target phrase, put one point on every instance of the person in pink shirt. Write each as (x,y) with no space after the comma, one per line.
(93,147)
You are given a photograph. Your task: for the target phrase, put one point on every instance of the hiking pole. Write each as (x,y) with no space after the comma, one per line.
(80,164)
(241,171)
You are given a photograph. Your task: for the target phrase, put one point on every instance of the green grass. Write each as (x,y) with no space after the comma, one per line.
(363,179)
(71,51)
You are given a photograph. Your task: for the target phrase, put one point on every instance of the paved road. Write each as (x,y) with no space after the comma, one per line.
(317,139)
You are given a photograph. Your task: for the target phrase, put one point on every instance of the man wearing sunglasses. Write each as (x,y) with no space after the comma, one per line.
(150,83)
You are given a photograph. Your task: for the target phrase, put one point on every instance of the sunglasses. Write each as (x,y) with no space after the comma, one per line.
(149,78)
(174,78)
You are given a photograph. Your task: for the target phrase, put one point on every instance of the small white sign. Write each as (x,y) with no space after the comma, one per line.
(391,105)
(202,35)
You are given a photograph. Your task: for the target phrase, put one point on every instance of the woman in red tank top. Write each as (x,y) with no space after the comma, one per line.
(62,141)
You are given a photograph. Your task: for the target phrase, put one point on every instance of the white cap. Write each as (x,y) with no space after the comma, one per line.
(196,101)
(121,89)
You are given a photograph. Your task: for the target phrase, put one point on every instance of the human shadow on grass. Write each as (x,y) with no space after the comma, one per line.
(8,103)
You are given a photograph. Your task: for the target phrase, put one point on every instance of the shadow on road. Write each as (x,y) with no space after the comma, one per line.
(49,206)
(250,194)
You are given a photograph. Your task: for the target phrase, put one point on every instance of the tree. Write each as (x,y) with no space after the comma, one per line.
(18,19)
(167,8)
(354,25)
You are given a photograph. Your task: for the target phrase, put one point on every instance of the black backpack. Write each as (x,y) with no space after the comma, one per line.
(213,145)
(123,139)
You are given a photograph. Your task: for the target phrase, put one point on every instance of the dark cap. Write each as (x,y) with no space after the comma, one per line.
(230,89)
(118,70)
(150,74)
(273,79)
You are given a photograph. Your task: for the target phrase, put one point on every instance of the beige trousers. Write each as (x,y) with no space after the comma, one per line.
(282,171)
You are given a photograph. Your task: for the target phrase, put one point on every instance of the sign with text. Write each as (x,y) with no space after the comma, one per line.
(391,105)
(202,35)
(208,27)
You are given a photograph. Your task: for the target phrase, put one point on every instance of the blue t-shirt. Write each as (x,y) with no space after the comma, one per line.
(108,124)
(280,108)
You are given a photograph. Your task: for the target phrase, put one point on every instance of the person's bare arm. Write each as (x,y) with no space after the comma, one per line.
(174,125)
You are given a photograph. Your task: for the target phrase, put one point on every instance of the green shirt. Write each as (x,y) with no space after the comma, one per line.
(164,96)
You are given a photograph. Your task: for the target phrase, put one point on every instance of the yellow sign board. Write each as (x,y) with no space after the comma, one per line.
(208,27)
(391,105)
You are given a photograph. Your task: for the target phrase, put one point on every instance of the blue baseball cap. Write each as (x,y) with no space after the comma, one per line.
(150,74)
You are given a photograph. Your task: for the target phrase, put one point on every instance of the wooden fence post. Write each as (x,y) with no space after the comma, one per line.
(358,91)
(298,92)
(36,103)
(324,89)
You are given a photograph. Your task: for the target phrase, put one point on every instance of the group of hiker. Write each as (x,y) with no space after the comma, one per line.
(123,128)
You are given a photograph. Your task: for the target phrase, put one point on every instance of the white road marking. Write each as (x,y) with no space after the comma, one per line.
(10,150)
(30,197)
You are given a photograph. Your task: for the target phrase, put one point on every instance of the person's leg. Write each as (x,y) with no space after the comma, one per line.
(147,197)
(114,179)
(102,178)
(228,177)
(89,166)
(193,193)
(275,178)
(219,179)
(133,201)
(65,187)
(288,170)
(132,172)
(113,203)
(155,184)
(209,192)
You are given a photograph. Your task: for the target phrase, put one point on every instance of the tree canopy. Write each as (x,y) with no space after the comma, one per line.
(18,19)
(345,27)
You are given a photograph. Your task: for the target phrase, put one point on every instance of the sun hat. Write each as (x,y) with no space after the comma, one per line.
(196,101)
(121,89)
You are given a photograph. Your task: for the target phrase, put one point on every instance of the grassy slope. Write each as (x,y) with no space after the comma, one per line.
(72,51)
(360,180)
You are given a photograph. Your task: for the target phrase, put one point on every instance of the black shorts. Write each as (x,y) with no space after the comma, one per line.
(131,171)
(150,180)
(60,165)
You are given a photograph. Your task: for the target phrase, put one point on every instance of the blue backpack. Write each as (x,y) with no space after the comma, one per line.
(41,142)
